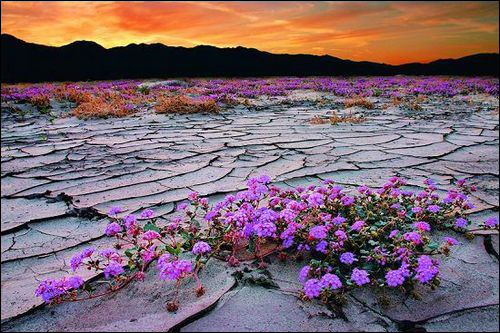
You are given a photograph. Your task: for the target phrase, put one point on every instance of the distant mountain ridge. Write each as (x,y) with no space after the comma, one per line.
(86,60)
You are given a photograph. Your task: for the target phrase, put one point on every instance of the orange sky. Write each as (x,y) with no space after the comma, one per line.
(390,32)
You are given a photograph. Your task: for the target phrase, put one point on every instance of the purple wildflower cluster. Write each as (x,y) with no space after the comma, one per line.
(201,248)
(397,277)
(52,289)
(377,236)
(174,269)
(360,277)
(427,269)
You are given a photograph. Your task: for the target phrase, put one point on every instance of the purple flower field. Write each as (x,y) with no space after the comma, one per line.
(122,98)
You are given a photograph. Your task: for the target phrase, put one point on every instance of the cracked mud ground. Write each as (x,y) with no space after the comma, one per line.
(60,178)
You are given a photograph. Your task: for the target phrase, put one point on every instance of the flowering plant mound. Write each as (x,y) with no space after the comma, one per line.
(377,237)
(183,104)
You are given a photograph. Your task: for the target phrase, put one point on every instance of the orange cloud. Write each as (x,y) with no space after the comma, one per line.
(391,32)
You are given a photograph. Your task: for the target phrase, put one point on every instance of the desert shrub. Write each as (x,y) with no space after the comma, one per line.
(99,107)
(412,103)
(358,101)
(378,237)
(41,101)
(183,104)
(78,96)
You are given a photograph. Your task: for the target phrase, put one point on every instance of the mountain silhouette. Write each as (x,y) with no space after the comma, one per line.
(85,60)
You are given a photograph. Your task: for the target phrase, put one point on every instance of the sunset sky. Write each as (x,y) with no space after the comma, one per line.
(390,32)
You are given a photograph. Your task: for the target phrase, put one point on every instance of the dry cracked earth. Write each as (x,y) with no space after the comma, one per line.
(61,176)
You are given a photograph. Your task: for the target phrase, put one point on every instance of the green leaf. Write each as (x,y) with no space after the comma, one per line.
(186,236)
(196,223)
(252,244)
(130,252)
(369,266)
(178,250)
(151,226)
(170,250)
(433,246)
(360,212)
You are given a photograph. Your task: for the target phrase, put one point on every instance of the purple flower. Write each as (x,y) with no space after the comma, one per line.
(74,282)
(393,233)
(347,200)
(288,215)
(182,206)
(87,252)
(76,261)
(341,235)
(414,237)
(50,289)
(288,242)
(229,199)
(274,202)
(150,235)
(422,226)
(416,210)
(318,232)
(147,214)
(201,248)
(396,206)
(451,241)
(447,200)
(304,273)
(422,195)
(175,270)
(193,196)
(113,269)
(358,225)
(426,269)
(321,247)
(433,208)
(338,220)
(112,229)
(264,179)
(108,253)
(461,223)
(149,254)
(312,288)
(211,215)
(130,220)
(347,258)
(429,181)
(363,189)
(407,193)
(360,277)
(163,260)
(491,222)
(394,179)
(267,229)
(330,281)
(469,205)
(394,278)
(115,210)
(315,200)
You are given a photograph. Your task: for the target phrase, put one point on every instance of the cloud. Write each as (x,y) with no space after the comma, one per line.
(393,32)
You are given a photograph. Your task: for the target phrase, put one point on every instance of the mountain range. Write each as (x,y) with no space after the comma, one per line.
(85,60)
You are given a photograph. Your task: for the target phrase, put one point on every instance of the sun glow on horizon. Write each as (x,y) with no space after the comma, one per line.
(389,32)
